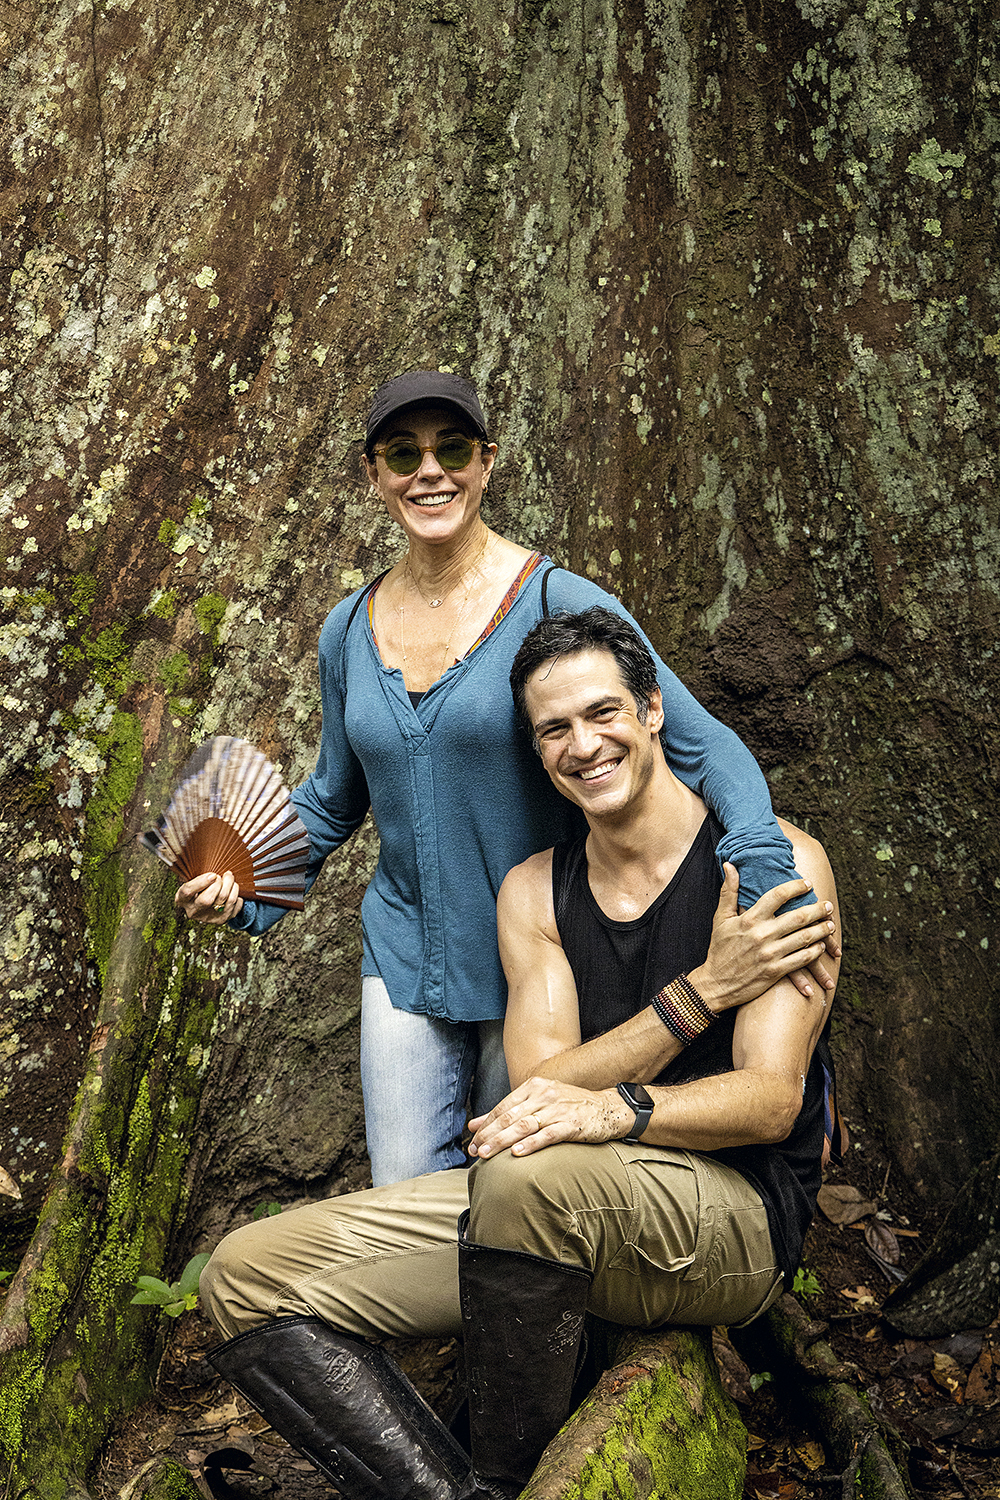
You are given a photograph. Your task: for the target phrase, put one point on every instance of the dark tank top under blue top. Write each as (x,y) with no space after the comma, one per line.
(619,967)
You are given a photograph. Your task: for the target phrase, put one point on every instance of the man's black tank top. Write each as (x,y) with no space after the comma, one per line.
(618,968)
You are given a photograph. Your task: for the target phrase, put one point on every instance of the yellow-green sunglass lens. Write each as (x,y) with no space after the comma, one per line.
(405,457)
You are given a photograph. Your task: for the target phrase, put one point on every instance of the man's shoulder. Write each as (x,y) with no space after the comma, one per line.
(530,875)
(524,904)
(798,836)
(810,857)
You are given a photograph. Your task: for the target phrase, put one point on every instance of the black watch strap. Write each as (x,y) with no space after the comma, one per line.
(637,1098)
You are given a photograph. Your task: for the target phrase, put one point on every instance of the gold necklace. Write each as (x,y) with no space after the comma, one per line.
(437,603)
(434,603)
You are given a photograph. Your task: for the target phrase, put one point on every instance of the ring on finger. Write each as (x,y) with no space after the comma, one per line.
(220,908)
(536,1123)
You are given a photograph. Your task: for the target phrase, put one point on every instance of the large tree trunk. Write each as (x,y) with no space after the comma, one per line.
(728,281)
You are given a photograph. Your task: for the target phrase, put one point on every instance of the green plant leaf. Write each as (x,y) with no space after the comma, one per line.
(154,1284)
(806,1283)
(188,1283)
(148,1299)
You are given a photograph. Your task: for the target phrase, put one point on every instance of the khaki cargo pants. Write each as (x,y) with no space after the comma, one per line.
(669,1237)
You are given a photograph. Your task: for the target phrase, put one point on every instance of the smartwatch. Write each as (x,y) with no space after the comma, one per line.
(637,1098)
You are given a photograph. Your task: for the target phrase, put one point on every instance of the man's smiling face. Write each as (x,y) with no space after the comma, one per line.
(592,742)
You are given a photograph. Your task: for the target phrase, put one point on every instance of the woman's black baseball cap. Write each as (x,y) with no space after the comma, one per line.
(423,386)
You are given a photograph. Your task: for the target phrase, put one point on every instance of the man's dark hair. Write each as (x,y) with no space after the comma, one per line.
(594,629)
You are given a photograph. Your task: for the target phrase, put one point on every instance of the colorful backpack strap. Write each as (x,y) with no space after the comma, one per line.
(363,593)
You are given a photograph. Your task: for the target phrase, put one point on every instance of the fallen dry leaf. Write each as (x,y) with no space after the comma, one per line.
(239,1437)
(861,1296)
(843,1204)
(882,1242)
(8,1186)
(949,1376)
(219,1416)
(981,1384)
(811,1454)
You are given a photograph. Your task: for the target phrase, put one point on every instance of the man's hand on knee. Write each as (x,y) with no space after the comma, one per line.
(544,1112)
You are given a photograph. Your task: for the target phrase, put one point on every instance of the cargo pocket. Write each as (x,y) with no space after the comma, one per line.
(668,1240)
(735,1275)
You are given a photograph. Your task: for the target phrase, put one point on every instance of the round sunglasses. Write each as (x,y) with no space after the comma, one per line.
(403,456)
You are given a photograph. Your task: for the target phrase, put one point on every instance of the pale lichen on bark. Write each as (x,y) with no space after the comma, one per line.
(728,281)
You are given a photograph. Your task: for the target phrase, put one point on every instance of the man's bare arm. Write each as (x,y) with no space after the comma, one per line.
(750,951)
(542,1025)
(758,1102)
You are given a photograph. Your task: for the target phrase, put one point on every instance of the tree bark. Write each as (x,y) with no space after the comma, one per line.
(658,1422)
(954,1284)
(728,282)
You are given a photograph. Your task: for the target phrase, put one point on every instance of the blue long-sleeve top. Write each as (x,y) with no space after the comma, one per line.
(459,797)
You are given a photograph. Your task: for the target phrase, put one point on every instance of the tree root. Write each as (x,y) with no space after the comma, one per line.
(872,1456)
(658,1421)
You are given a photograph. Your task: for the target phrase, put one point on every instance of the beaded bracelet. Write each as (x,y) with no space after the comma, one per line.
(682,1010)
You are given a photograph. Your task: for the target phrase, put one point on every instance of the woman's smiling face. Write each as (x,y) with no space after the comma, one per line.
(433,504)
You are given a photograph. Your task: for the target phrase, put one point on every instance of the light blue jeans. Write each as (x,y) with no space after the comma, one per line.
(421,1078)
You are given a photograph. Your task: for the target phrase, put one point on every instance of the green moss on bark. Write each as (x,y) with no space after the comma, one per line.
(81,1352)
(210,611)
(657,1423)
(166,1480)
(103,882)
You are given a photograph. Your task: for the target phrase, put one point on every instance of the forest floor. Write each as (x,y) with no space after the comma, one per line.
(941,1396)
(934,1394)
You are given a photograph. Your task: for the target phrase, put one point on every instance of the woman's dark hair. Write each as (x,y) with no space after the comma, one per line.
(594,629)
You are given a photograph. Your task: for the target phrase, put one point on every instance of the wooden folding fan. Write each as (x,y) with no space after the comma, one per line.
(232,811)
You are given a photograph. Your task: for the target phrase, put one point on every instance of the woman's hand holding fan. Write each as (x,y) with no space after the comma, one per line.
(231,831)
(210,898)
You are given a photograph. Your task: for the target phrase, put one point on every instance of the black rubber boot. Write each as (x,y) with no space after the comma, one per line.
(522,1317)
(346,1406)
